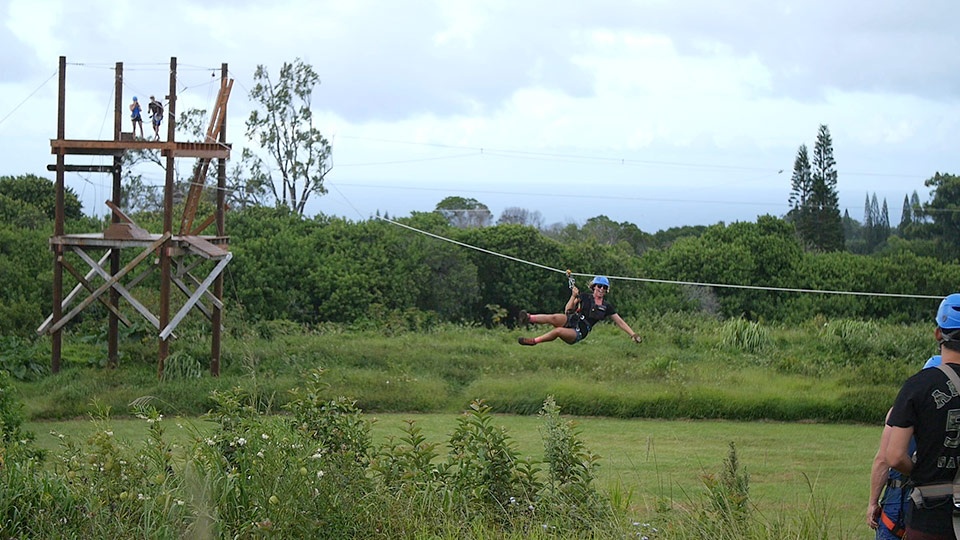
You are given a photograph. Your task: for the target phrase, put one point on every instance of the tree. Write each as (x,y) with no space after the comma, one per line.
(246,190)
(906,217)
(824,202)
(40,193)
(801,188)
(916,208)
(465,213)
(884,221)
(944,209)
(284,129)
(521,216)
(876,223)
(855,234)
(869,221)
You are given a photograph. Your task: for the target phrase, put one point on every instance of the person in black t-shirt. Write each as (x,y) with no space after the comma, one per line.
(156,115)
(928,409)
(582,313)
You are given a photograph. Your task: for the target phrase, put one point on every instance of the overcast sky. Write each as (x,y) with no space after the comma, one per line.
(659,113)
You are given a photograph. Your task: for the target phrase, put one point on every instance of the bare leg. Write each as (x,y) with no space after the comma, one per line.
(568,335)
(557,320)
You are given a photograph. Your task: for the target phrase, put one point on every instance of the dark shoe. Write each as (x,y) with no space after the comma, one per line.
(526,341)
(524,317)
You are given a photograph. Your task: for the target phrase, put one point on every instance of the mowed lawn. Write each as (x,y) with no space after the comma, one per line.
(661,463)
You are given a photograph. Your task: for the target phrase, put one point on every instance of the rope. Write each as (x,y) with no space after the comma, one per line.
(570,274)
(487,251)
(37,89)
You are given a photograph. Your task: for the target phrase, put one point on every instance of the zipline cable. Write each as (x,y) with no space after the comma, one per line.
(44,83)
(568,273)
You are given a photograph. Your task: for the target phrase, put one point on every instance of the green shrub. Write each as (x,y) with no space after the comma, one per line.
(181,365)
(483,464)
(745,336)
(857,339)
(24,360)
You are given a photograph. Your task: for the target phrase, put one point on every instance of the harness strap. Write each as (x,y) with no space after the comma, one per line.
(932,491)
(955,381)
(897,530)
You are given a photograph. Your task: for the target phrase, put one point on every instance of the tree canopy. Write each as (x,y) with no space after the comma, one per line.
(282,124)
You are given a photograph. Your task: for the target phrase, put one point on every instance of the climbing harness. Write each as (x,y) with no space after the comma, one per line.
(892,526)
(571,283)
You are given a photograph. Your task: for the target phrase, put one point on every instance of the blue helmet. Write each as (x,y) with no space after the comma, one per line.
(602,280)
(948,316)
(134,98)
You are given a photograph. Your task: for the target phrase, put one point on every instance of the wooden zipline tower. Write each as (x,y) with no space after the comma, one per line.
(176,255)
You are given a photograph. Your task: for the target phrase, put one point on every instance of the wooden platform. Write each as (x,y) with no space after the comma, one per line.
(208,247)
(87,147)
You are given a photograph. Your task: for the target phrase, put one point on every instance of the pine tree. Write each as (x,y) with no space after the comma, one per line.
(852,231)
(906,217)
(876,224)
(800,181)
(827,233)
(800,192)
(884,222)
(915,207)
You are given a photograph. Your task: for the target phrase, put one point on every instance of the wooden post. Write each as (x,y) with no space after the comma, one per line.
(113,328)
(166,248)
(217,319)
(57,336)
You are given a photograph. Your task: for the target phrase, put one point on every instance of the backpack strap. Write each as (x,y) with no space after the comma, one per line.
(955,381)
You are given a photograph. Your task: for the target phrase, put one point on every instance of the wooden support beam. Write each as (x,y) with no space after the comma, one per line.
(86,168)
(86,285)
(110,283)
(42,329)
(123,291)
(165,333)
(182,286)
(200,171)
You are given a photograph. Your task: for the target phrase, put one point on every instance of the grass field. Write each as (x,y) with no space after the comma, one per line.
(801,404)
(660,462)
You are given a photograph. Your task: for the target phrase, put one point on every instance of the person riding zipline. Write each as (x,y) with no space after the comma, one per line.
(582,313)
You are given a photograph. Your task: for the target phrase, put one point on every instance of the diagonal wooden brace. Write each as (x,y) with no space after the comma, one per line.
(165,333)
(111,281)
(69,298)
(123,291)
(86,285)
(187,292)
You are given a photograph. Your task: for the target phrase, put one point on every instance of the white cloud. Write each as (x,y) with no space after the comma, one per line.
(656,102)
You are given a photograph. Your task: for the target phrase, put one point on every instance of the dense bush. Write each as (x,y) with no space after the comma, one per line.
(374,272)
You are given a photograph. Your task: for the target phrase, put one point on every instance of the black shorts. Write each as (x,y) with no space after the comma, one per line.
(578,323)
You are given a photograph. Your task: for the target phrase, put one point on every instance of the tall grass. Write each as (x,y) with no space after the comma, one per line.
(844,371)
(270,483)
(314,474)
